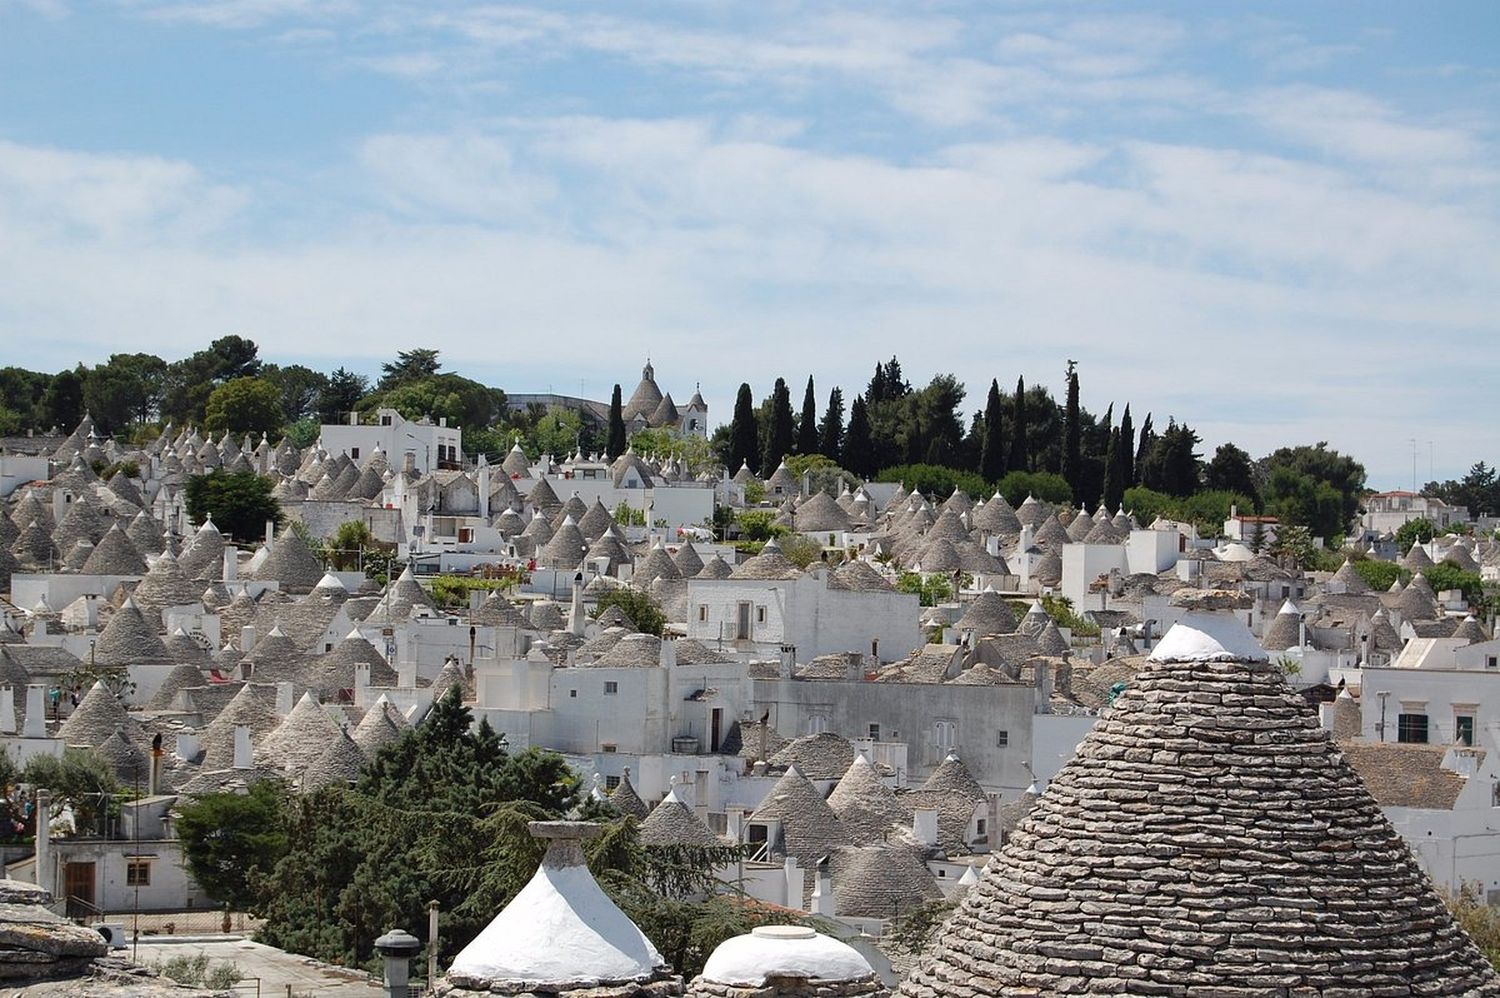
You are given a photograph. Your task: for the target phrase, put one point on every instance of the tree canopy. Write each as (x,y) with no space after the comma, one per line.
(240,503)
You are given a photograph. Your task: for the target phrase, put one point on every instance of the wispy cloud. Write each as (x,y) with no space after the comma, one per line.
(561,187)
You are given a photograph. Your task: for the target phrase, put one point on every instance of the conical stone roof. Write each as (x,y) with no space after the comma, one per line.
(867,807)
(1208,813)
(1285,629)
(181,678)
(337,765)
(626,800)
(988,614)
(98,715)
(672,823)
(166,585)
(381,725)
(291,564)
(809,827)
(115,555)
(129,639)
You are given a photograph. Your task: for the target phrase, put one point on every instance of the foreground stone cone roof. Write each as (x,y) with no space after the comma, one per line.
(1208,838)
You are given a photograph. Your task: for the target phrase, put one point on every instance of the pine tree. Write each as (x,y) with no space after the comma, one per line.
(831,433)
(1072,462)
(744,435)
(617,442)
(807,428)
(779,437)
(992,455)
(1020,449)
(1127,443)
(859,448)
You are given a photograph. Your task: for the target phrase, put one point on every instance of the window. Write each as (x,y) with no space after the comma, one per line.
(611,688)
(385,421)
(1463,729)
(354,453)
(466,535)
(1002,739)
(610,782)
(945,735)
(138,873)
(1411,728)
(760,615)
(572,694)
(942,873)
(1492,662)
(874,732)
(742,628)
(608,748)
(702,612)
(327,647)
(980,826)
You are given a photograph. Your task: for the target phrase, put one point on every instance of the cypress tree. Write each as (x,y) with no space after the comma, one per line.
(1072,462)
(744,436)
(779,439)
(1114,470)
(1020,449)
(831,434)
(807,429)
(616,442)
(1127,444)
(992,454)
(1143,447)
(859,449)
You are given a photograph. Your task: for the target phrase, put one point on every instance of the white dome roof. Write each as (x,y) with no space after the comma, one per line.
(1208,636)
(783,951)
(561,927)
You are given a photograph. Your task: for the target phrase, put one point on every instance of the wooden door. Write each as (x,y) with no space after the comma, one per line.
(78,884)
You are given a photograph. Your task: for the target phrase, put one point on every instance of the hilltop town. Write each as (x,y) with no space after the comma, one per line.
(1036,705)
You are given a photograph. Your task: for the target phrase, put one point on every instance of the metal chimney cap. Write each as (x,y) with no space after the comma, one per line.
(398,943)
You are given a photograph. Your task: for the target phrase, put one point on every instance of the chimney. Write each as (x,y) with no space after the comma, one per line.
(788,661)
(247,638)
(854,669)
(575,609)
(270,534)
(7,710)
(484,489)
(735,822)
(396,949)
(284,698)
(924,825)
(1301,631)
(668,653)
(822,902)
(91,611)
(153,783)
(36,712)
(243,751)
(187,746)
(361,681)
(409,464)
(1043,687)
(354,419)
(231,563)
(45,878)
(406,672)
(793,883)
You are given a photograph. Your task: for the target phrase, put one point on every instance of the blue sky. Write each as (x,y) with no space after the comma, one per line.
(1277,221)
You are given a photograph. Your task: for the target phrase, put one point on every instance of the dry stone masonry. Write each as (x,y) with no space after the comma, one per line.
(1209,840)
